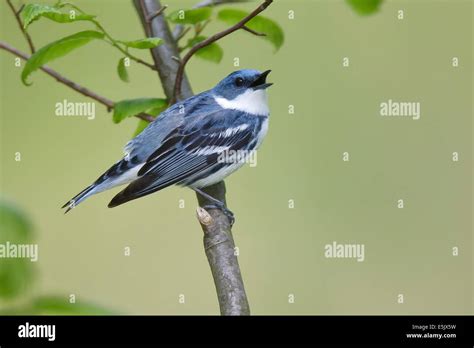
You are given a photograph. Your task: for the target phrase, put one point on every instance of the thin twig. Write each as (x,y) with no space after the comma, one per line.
(157,13)
(109,104)
(200,27)
(253,31)
(208,41)
(206,3)
(114,43)
(20,23)
(20,9)
(178,29)
(181,35)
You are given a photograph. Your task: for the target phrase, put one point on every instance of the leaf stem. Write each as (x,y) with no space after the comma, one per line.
(253,31)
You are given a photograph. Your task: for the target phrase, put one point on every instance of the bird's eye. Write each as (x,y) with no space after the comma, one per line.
(239,82)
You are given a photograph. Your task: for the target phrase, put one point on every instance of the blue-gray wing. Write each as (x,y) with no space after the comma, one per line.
(153,136)
(193,151)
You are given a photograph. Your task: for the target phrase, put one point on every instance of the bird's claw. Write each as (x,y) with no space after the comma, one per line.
(229,214)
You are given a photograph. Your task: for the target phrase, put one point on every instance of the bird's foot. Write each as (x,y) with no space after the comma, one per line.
(223,208)
(216,204)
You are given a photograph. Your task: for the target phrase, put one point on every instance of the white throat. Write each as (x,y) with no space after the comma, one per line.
(252,102)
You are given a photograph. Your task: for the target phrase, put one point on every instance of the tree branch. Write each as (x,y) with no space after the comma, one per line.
(162,54)
(18,19)
(220,251)
(109,104)
(208,41)
(218,242)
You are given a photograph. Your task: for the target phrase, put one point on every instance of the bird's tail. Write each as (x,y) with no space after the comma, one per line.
(120,173)
(88,191)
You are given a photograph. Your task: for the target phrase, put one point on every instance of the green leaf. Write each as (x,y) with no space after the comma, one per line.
(365,7)
(130,107)
(16,274)
(272,30)
(150,42)
(212,52)
(57,49)
(32,12)
(56,305)
(122,70)
(191,16)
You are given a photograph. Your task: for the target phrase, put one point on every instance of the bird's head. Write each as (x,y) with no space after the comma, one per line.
(243,90)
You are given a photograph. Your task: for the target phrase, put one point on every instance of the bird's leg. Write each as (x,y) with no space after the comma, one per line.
(216,204)
(209,197)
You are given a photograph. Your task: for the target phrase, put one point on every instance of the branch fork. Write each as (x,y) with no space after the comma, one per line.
(253,31)
(157,13)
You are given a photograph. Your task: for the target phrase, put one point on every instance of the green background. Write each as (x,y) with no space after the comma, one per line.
(407,251)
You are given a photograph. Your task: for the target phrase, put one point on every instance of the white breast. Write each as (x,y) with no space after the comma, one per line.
(252,102)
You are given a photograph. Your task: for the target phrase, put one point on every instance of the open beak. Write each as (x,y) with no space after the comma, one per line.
(261,81)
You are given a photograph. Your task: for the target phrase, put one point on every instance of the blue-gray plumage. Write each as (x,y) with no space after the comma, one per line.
(184,145)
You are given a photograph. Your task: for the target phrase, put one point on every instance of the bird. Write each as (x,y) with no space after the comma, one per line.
(185,145)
